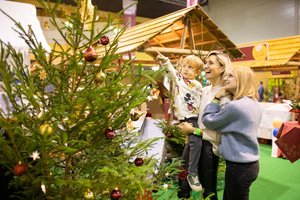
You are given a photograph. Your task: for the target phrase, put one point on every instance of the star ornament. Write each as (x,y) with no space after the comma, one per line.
(43,187)
(165,186)
(43,75)
(35,155)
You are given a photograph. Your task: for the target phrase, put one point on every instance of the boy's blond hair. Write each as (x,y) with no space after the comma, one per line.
(193,61)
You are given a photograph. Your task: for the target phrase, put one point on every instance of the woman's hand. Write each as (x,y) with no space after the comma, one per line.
(186,127)
(221,93)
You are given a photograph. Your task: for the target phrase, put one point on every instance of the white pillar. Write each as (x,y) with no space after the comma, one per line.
(129,16)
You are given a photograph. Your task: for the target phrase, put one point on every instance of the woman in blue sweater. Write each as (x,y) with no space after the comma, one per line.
(238,122)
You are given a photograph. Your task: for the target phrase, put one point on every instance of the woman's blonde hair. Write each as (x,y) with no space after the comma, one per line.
(245,83)
(223,59)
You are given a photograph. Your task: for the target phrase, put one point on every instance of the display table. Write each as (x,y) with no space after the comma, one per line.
(150,131)
(288,141)
(270,111)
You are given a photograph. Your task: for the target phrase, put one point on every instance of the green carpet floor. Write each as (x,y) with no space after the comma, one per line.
(278,179)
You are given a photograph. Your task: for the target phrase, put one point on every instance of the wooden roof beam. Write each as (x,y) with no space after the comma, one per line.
(293,63)
(174,31)
(158,42)
(279,68)
(206,42)
(175,39)
(174,51)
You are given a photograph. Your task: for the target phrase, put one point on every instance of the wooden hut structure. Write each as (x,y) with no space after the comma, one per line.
(186,31)
(277,58)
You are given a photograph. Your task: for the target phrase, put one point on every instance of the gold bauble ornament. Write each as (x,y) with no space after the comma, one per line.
(88,194)
(100,77)
(45,129)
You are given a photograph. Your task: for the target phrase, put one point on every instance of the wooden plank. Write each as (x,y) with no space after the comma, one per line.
(191,35)
(156,30)
(279,68)
(174,51)
(183,36)
(157,26)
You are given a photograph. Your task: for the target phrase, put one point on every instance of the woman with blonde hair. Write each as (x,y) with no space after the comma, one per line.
(217,64)
(238,122)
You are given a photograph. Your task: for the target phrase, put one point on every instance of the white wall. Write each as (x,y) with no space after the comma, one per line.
(246,21)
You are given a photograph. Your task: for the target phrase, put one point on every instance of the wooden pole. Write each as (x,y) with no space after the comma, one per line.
(297,88)
(296,96)
(183,36)
(164,50)
(191,36)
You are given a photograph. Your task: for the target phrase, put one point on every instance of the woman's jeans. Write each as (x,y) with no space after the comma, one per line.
(238,179)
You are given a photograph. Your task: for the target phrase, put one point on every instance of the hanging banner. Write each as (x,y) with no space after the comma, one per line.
(258,52)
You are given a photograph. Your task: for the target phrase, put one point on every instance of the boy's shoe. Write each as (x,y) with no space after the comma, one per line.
(194,182)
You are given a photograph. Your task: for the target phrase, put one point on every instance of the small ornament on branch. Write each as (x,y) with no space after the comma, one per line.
(45,129)
(20,169)
(134,116)
(88,194)
(35,155)
(165,186)
(110,133)
(43,188)
(115,194)
(90,54)
(100,77)
(104,40)
(182,174)
(138,162)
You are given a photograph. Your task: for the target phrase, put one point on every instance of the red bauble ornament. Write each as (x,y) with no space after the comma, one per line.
(182,174)
(110,133)
(115,194)
(138,162)
(20,169)
(90,54)
(104,40)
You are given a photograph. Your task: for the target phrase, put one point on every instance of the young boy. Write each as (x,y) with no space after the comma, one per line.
(186,104)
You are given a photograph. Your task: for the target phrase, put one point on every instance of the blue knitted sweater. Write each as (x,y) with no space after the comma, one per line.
(238,122)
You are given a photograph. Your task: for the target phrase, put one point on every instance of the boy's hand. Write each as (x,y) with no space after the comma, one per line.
(186,127)
(161,58)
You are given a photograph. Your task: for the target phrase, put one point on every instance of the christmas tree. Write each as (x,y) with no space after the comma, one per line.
(66,121)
